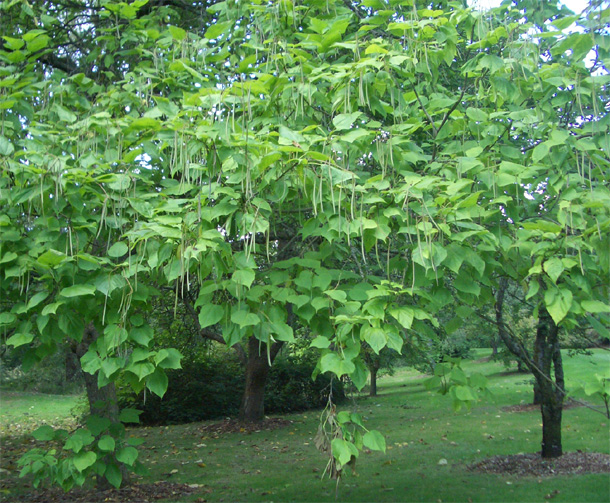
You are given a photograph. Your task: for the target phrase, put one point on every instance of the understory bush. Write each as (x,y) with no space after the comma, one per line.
(212,389)
(57,374)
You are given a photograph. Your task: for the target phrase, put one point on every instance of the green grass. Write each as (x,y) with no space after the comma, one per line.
(21,411)
(420,427)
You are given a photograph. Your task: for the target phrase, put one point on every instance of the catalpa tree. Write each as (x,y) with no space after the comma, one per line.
(351,167)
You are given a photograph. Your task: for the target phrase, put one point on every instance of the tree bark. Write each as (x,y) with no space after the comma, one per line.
(537,396)
(373,387)
(252,409)
(102,401)
(547,355)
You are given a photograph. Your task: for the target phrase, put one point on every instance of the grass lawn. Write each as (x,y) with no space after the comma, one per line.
(420,427)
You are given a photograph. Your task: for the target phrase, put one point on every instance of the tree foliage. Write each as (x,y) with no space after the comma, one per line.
(256,158)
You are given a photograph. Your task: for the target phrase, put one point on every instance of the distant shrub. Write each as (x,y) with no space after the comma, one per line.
(290,387)
(213,388)
(57,374)
(456,345)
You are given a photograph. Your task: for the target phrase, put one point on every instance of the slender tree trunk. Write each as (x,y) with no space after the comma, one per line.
(537,394)
(373,388)
(494,346)
(102,401)
(252,409)
(547,355)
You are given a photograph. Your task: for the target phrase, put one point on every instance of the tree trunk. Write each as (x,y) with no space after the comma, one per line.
(72,366)
(373,388)
(494,346)
(102,401)
(252,409)
(547,355)
(537,395)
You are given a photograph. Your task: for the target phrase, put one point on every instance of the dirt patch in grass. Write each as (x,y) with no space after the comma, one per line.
(533,465)
(141,493)
(235,426)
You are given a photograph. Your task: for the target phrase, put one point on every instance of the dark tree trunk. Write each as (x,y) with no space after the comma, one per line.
(252,409)
(547,356)
(537,395)
(102,401)
(494,346)
(373,388)
(73,371)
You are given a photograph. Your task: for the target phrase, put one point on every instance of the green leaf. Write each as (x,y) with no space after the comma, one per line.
(106,443)
(20,339)
(7,318)
(464,393)
(540,152)
(360,374)
(243,277)
(168,358)
(458,375)
(127,455)
(38,43)
(332,362)
(210,314)
(77,291)
(8,257)
(558,303)
(375,337)
(78,440)
(533,289)
(244,319)
(177,33)
(374,441)
(141,369)
(600,328)
(130,416)
(593,387)
(595,306)
(395,341)
(51,258)
(343,450)
(320,342)
(338,295)
(95,425)
(114,336)
(478,381)
(553,267)
(404,315)
(217,29)
(84,460)
(113,475)
(465,283)
(118,250)
(6,148)
(142,335)
(44,433)
(345,121)
(157,382)
(281,331)
(111,365)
